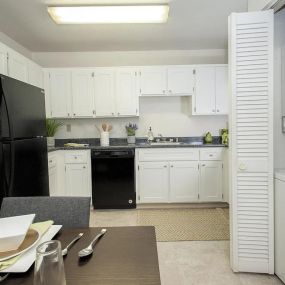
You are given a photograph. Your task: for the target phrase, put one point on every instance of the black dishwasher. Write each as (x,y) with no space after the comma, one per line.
(113,179)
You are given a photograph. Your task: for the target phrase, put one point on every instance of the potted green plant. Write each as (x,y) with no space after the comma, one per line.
(52,127)
(131,132)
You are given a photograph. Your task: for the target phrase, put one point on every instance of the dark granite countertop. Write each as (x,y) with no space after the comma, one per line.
(117,143)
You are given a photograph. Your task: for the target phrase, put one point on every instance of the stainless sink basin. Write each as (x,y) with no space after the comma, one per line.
(166,143)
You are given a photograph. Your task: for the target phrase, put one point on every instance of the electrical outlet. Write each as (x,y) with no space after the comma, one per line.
(68,128)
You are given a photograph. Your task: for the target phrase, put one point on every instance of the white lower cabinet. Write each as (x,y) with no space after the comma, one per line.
(153,182)
(70,173)
(211,181)
(184,181)
(185,175)
(77,180)
(53,174)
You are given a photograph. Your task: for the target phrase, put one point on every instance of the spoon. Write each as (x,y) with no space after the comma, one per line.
(89,249)
(65,250)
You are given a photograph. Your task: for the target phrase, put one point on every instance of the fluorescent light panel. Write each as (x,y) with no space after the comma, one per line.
(109,14)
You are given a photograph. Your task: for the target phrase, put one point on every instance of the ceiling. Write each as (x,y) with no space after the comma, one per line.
(192,24)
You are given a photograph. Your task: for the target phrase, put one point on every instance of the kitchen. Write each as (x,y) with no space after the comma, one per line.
(178,100)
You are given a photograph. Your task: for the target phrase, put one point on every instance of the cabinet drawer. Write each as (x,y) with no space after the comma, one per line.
(75,157)
(168,154)
(211,154)
(51,160)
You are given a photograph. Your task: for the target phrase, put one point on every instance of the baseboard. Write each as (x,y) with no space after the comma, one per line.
(182,205)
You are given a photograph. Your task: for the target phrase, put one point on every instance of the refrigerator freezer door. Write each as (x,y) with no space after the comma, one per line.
(26,167)
(22,110)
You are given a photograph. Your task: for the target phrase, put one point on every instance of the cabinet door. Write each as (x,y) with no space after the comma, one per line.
(82,93)
(204,98)
(53,184)
(3,59)
(184,181)
(17,66)
(211,181)
(126,92)
(153,81)
(222,94)
(104,92)
(35,74)
(180,80)
(77,178)
(60,93)
(153,182)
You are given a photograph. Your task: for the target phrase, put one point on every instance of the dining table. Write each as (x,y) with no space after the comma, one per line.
(123,256)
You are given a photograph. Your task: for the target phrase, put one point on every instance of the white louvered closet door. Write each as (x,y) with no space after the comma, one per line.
(251,141)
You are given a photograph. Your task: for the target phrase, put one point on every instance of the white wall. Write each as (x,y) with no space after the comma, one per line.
(279,94)
(92,59)
(14,45)
(257,5)
(168,116)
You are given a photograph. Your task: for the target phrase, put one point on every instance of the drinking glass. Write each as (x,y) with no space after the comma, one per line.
(49,267)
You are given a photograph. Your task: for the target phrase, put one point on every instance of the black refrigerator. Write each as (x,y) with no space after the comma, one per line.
(23,146)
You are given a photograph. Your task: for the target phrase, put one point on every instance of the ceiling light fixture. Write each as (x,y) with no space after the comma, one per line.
(109,14)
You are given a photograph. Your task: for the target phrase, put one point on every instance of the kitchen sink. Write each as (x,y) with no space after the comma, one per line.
(166,143)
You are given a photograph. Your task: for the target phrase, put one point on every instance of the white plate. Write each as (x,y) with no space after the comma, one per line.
(28,258)
(24,250)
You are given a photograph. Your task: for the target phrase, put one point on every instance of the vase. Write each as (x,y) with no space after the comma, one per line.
(131,139)
(50,141)
(104,139)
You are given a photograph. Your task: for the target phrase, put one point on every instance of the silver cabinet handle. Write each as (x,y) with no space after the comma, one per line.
(218,110)
(203,165)
(74,114)
(50,161)
(163,91)
(112,114)
(75,157)
(213,111)
(171,166)
(170,91)
(165,166)
(118,114)
(84,167)
(210,155)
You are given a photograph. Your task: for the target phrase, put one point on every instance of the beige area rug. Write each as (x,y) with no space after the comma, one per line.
(187,224)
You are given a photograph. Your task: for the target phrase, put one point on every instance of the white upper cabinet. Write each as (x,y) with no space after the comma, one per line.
(17,66)
(184,181)
(211,90)
(60,93)
(180,80)
(204,101)
(153,81)
(35,74)
(126,92)
(83,93)
(105,92)
(3,59)
(222,94)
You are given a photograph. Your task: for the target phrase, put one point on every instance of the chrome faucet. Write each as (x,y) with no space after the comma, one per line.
(161,137)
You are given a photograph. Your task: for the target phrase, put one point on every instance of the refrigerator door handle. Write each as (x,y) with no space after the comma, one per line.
(4,111)
(9,167)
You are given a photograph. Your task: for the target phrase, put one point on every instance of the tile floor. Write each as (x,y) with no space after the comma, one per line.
(187,262)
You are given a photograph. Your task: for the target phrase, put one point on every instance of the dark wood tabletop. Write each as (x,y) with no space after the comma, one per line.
(124,256)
